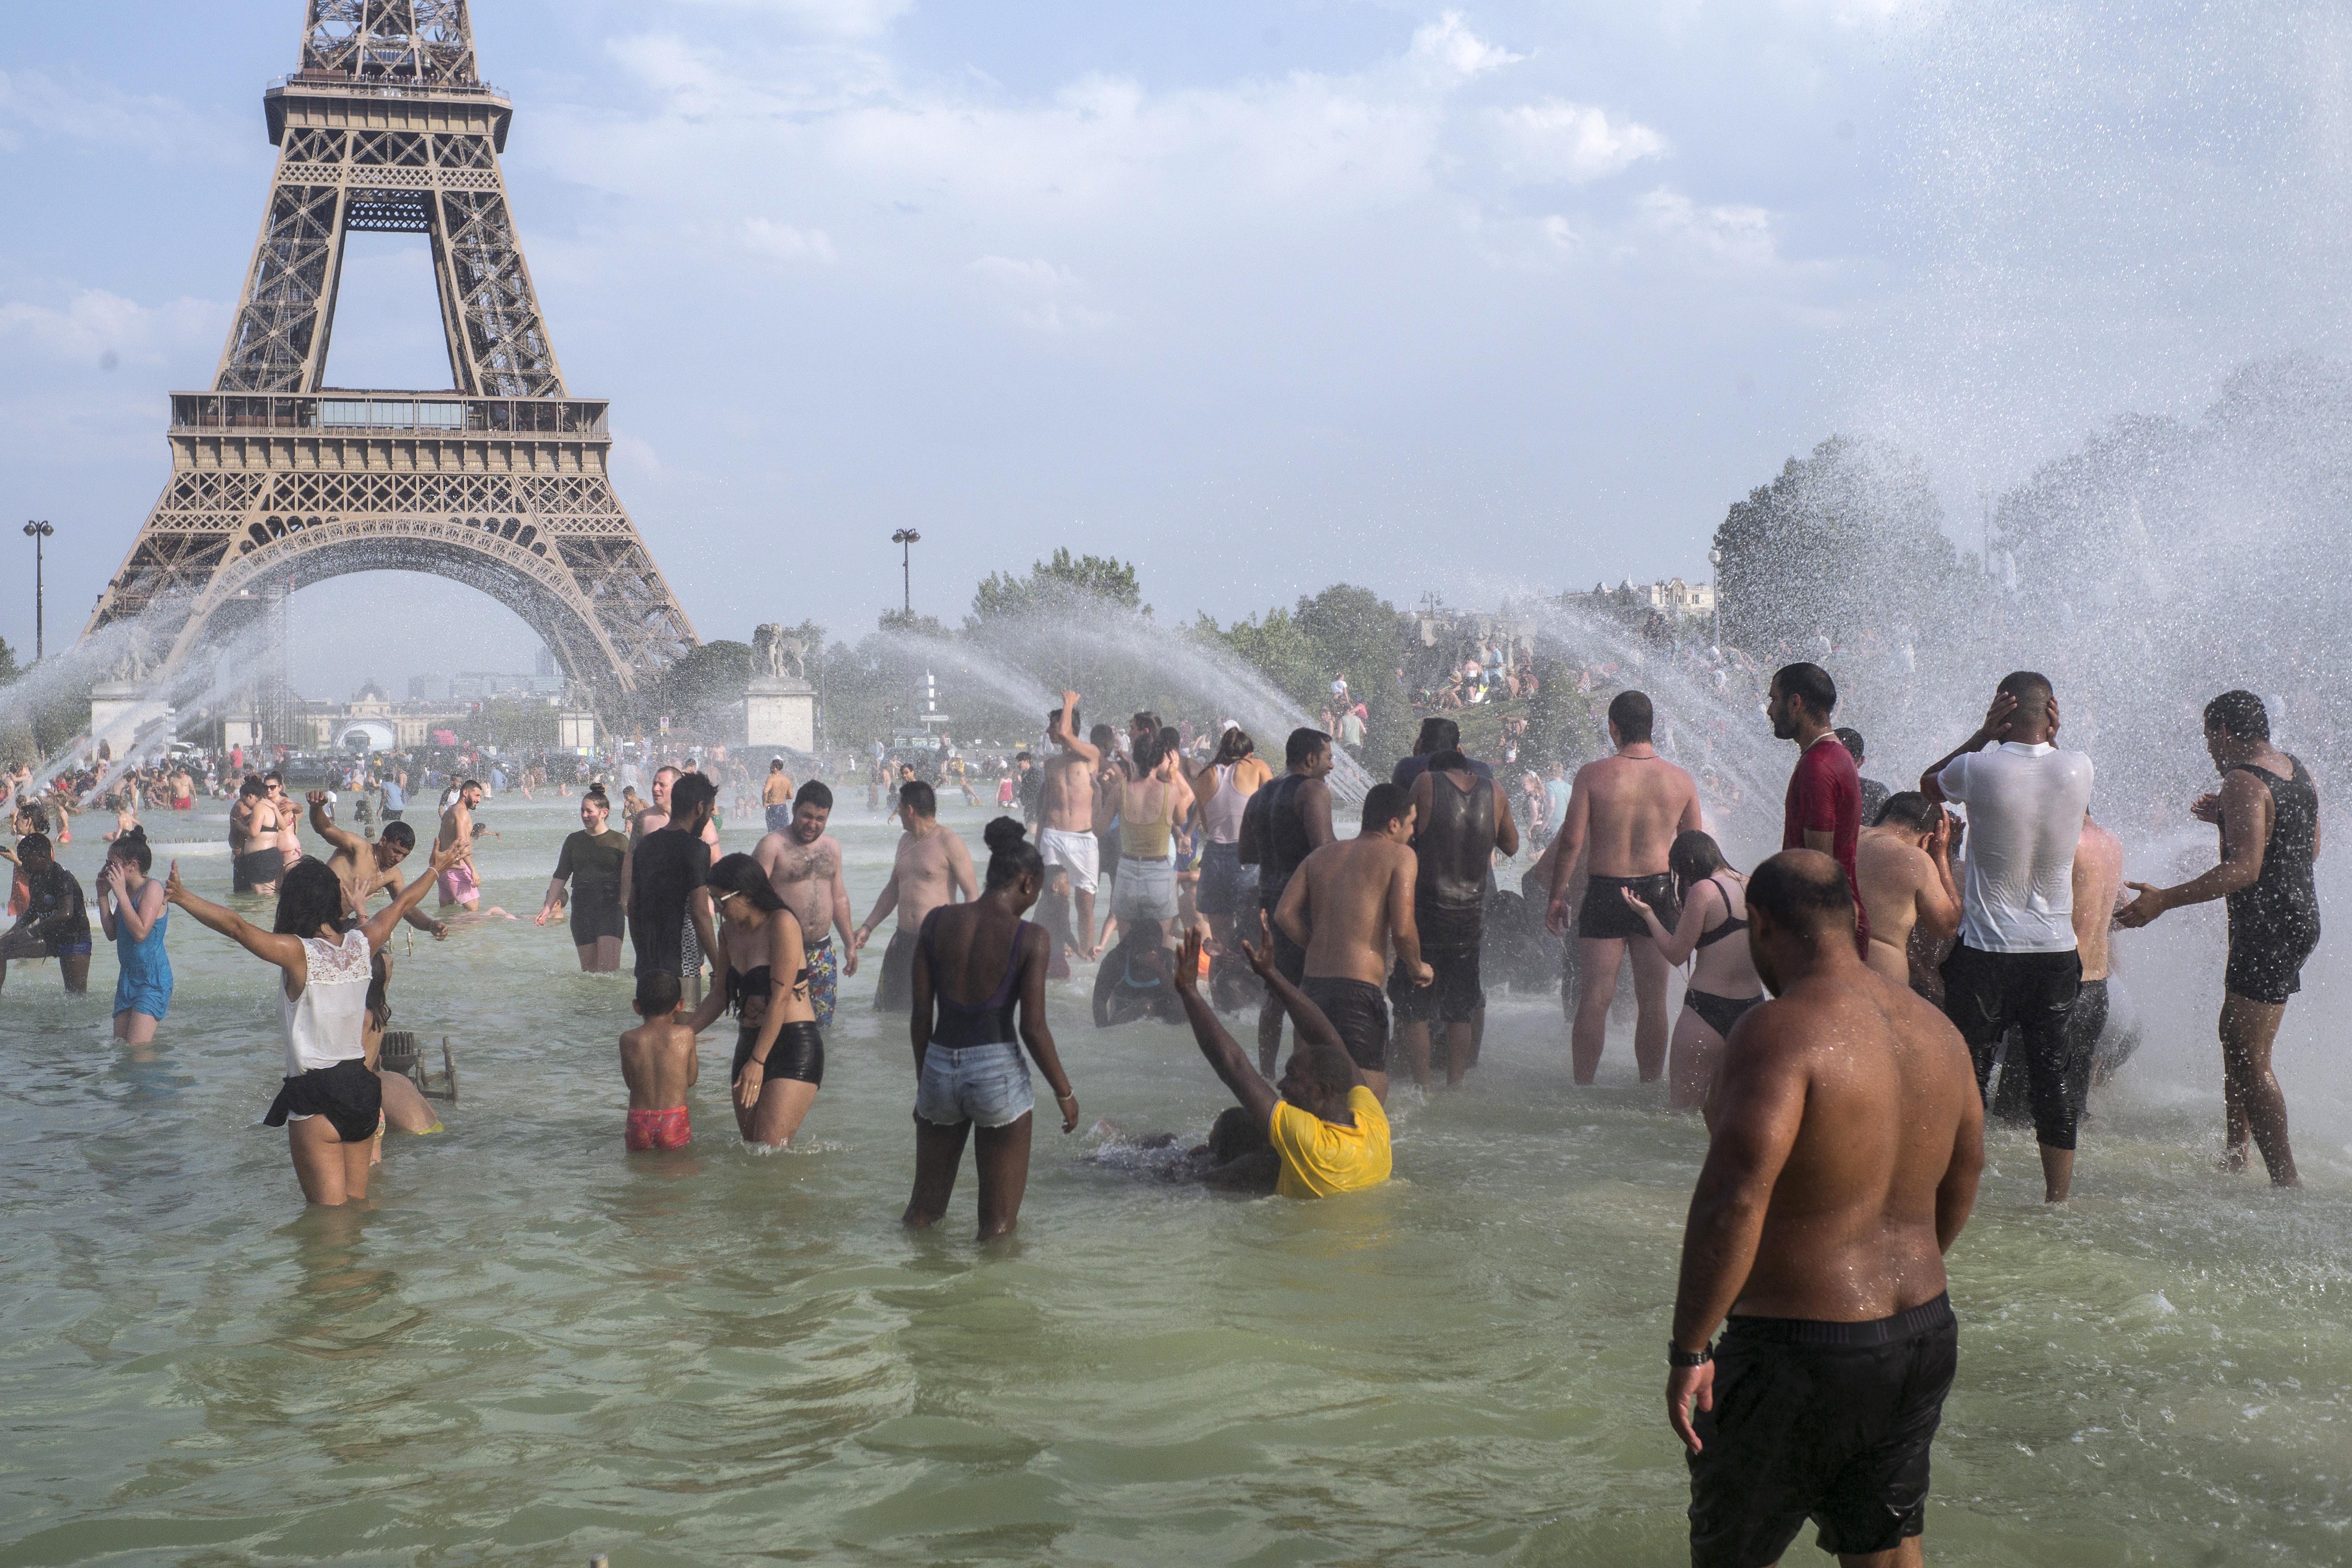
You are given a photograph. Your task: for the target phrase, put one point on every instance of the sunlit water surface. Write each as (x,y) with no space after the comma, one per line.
(528,1347)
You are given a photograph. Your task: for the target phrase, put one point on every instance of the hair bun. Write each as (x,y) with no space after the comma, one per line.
(1003,834)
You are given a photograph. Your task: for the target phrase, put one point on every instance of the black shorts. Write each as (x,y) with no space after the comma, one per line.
(596,914)
(348,1095)
(391,816)
(798,1053)
(1604,917)
(1450,943)
(1357,1010)
(258,868)
(1289,958)
(660,942)
(1830,1422)
(2267,956)
(1224,880)
(896,992)
(1985,993)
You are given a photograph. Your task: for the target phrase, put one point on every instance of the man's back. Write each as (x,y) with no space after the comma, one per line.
(1885,1096)
(1889,871)
(1636,806)
(2098,879)
(1354,887)
(2026,804)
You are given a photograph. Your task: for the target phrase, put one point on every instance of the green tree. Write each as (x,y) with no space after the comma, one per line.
(1055,586)
(1560,719)
(697,690)
(1361,636)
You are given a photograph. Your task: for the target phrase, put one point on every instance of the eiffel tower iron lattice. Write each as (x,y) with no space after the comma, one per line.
(278,481)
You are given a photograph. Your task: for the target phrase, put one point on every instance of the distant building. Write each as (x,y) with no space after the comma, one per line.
(1671,596)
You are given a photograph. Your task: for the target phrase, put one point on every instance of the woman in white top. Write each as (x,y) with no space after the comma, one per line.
(331,1098)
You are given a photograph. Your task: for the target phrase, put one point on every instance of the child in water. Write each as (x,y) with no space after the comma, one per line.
(659,1065)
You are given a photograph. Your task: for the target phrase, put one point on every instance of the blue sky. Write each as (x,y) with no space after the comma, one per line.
(1471,299)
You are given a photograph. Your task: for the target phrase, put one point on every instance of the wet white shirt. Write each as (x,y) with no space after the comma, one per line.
(2025,806)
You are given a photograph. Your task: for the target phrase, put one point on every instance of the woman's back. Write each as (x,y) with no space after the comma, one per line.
(1143,819)
(975,961)
(323,1025)
(1721,963)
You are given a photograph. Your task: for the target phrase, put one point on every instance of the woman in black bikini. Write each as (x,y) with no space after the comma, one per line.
(1722,983)
(779,1054)
(968,1069)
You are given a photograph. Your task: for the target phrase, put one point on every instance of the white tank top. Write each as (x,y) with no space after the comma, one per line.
(1223,814)
(322,1025)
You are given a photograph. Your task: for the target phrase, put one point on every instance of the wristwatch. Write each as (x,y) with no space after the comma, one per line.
(1682,1358)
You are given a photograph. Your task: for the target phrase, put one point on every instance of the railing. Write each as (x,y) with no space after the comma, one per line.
(341,81)
(390,411)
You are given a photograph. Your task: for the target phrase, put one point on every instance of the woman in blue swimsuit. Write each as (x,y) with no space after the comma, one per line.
(131,910)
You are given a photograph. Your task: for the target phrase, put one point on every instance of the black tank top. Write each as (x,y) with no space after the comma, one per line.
(1286,838)
(2285,895)
(956,1025)
(1457,844)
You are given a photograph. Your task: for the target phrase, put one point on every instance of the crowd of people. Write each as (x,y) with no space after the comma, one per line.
(1849,1002)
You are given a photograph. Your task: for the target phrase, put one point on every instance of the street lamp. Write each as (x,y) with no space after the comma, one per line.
(906,539)
(1715,564)
(37,533)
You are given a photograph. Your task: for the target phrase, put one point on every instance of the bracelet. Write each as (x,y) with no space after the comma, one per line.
(1059,1097)
(1683,1358)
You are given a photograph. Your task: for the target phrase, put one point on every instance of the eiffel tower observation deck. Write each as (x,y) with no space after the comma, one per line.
(500,481)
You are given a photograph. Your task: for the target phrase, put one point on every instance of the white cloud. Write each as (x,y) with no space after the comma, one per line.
(1740,235)
(1040,293)
(830,18)
(785,243)
(1556,141)
(104,329)
(1455,47)
(33,105)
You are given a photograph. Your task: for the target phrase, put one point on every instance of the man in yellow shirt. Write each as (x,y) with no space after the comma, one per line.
(1320,1131)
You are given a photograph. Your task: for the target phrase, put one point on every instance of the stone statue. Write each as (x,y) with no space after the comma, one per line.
(778,657)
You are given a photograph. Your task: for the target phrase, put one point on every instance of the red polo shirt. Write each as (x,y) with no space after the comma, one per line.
(1825,797)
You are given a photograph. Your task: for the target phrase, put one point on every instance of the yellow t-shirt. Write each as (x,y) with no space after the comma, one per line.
(1321,1160)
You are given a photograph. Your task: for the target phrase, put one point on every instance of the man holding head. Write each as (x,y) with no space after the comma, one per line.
(1624,812)
(2017,961)
(1845,1140)
(931,868)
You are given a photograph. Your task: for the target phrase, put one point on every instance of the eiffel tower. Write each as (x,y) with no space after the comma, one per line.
(279,482)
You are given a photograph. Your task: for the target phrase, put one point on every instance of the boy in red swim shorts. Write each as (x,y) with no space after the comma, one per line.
(659,1064)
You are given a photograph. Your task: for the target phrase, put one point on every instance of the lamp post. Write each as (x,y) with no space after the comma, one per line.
(37,533)
(1715,564)
(906,539)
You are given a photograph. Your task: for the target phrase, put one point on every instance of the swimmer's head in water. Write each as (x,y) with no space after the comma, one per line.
(1387,809)
(658,995)
(1631,718)
(1013,861)
(917,799)
(309,898)
(1694,857)
(2238,716)
(1308,750)
(1799,909)
(1797,688)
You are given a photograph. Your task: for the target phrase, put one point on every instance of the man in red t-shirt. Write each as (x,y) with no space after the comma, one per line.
(1823,810)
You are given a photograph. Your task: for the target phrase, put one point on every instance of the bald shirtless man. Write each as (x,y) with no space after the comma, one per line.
(1846,1141)
(1067,808)
(1903,869)
(803,865)
(1623,814)
(933,868)
(1348,904)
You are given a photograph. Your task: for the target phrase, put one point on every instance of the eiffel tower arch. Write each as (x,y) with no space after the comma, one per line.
(278,481)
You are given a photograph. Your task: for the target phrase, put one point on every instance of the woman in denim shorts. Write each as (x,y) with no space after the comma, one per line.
(977,967)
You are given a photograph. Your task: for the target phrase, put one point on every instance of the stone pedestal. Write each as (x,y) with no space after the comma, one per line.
(780,711)
(120,710)
(576,731)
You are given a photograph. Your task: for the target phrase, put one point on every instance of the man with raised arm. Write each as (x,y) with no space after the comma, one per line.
(1623,814)
(2018,961)
(804,866)
(932,868)
(1317,1133)
(1846,1137)
(1066,838)
(1348,904)
(367,868)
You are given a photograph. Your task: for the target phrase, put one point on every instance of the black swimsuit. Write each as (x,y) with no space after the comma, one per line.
(1720,1013)
(2274,921)
(956,1025)
(799,1050)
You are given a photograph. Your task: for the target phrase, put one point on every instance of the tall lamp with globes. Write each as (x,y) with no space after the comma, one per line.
(38,533)
(906,539)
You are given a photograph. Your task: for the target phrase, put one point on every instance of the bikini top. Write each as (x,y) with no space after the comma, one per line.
(742,987)
(991,1021)
(1730,924)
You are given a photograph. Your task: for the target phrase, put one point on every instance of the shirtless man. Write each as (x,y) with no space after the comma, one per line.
(1348,904)
(1903,869)
(1847,1138)
(803,865)
(932,868)
(776,795)
(1623,813)
(460,885)
(1066,808)
(367,868)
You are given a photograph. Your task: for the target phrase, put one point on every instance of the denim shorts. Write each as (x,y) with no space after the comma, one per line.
(985,1085)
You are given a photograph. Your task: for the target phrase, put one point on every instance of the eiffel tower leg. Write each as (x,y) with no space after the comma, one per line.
(279,341)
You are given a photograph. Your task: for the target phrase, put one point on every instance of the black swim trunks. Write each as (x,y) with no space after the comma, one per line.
(798,1053)
(1289,958)
(596,914)
(896,992)
(258,868)
(348,1095)
(1450,942)
(1604,914)
(1830,1422)
(1357,1010)
(1985,993)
